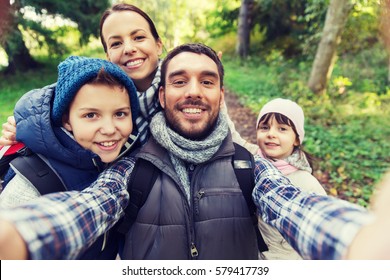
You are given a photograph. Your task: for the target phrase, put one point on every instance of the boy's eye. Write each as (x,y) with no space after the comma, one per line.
(121,114)
(90,115)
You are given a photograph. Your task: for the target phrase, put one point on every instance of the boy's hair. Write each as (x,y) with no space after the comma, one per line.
(193,48)
(123,7)
(76,71)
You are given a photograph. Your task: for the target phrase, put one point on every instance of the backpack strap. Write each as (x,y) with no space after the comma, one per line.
(145,174)
(34,169)
(243,164)
(7,154)
(140,184)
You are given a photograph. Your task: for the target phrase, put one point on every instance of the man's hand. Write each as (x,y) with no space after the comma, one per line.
(373,240)
(12,246)
(8,136)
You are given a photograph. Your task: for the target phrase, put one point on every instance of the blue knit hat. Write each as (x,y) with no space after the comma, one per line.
(75,72)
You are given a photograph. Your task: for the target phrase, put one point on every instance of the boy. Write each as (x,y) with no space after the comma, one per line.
(87,122)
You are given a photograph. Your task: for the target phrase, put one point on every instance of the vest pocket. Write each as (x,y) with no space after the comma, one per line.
(210,203)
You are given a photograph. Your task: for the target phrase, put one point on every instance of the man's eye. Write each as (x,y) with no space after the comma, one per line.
(179,83)
(208,83)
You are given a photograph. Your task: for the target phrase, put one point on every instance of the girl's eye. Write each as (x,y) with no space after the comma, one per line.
(284,128)
(263,127)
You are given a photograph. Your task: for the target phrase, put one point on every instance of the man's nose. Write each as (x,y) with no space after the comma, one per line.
(194,89)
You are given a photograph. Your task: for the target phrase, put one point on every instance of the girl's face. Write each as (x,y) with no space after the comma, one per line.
(276,140)
(131,45)
(100,119)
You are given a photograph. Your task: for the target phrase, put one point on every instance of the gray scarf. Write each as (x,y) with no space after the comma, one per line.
(182,150)
(149,105)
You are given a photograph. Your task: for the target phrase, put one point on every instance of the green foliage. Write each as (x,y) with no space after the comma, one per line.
(13,87)
(85,13)
(223,19)
(346,129)
(362,28)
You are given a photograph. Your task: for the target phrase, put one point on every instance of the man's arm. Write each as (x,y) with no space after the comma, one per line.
(62,225)
(12,246)
(373,241)
(318,227)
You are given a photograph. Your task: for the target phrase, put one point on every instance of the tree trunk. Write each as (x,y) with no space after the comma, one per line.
(5,19)
(385,29)
(19,59)
(11,40)
(244,25)
(336,18)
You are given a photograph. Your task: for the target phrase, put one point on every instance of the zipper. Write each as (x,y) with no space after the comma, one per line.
(210,192)
(193,250)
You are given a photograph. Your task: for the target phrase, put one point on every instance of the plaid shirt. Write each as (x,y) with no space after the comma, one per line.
(319,227)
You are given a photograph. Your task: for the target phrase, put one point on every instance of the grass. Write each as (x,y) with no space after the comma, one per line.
(13,87)
(346,129)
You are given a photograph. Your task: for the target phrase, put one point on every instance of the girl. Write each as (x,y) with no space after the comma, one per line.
(280,133)
(130,40)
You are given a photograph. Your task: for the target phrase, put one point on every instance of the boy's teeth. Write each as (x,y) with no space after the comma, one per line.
(107,144)
(192,110)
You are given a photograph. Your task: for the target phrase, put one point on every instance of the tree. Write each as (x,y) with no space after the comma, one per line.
(244,28)
(324,60)
(85,13)
(385,29)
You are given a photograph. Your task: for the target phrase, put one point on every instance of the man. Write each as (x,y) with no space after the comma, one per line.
(195,210)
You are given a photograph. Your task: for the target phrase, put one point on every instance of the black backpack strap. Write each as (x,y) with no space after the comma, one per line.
(243,164)
(140,184)
(34,169)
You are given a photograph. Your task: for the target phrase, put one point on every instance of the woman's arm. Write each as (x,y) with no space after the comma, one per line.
(8,136)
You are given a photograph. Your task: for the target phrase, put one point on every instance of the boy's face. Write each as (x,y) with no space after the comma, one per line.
(100,119)
(192,96)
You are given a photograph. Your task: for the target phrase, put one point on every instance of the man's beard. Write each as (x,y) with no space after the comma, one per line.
(199,134)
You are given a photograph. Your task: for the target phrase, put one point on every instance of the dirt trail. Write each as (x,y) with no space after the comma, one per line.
(243,118)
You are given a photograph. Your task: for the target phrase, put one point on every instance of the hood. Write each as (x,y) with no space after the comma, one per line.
(34,128)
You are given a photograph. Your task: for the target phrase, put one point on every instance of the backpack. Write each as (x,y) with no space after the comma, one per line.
(33,168)
(145,174)
(46,181)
